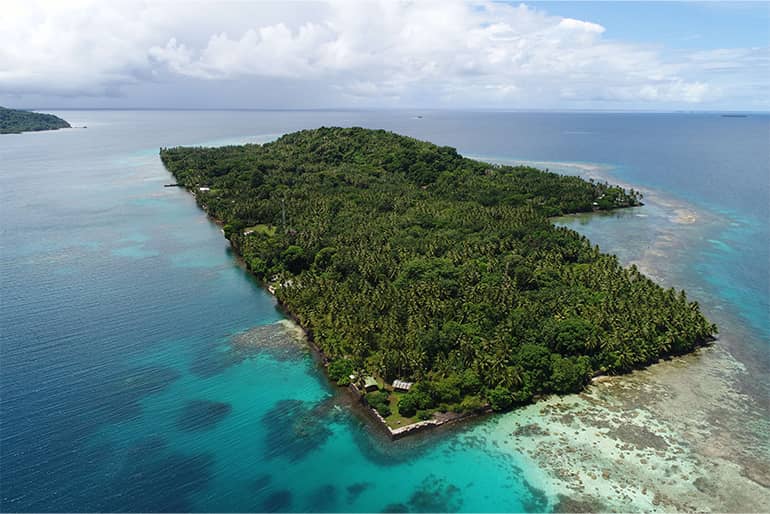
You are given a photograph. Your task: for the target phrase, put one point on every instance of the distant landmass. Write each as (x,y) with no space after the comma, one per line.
(437,285)
(13,121)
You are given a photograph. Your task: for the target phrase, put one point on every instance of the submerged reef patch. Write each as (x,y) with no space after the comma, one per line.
(277,340)
(202,415)
(435,495)
(569,504)
(322,499)
(153,479)
(124,391)
(394,508)
(279,501)
(262,482)
(293,431)
(274,340)
(355,490)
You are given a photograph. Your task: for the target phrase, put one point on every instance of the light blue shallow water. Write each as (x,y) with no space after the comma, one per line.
(128,383)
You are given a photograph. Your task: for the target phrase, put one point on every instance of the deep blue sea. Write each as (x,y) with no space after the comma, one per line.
(142,369)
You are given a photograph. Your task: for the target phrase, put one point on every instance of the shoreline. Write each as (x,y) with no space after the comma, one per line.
(36,131)
(688,434)
(684,217)
(679,436)
(352,392)
(433,423)
(377,421)
(357,396)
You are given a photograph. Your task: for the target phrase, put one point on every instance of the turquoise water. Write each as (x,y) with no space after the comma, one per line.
(143,369)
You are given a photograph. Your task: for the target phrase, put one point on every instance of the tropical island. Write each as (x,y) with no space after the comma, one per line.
(13,121)
(434,284)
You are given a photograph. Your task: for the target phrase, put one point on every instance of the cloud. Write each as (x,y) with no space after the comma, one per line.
(271,51)
(70,48)
(389,52)
(96,47)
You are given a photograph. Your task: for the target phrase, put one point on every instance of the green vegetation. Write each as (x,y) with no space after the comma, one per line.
(267,230)
(14,122)
(406,260)
(396,418)
(379,400)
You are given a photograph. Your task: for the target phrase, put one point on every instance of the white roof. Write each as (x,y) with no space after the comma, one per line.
(400,384)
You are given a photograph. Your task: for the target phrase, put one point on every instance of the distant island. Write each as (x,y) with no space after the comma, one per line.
(13,121)
(433,284)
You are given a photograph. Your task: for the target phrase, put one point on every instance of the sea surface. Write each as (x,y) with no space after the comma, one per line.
(142,369)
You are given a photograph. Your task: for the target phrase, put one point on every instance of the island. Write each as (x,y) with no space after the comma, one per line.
(434,285)
(13,121)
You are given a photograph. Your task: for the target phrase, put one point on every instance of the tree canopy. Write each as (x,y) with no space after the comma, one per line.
(13,121)
(406,260)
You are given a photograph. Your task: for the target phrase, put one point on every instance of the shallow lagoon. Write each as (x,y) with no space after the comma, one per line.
(143,369)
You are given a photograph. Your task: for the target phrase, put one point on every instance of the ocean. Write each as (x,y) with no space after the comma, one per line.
(142,369)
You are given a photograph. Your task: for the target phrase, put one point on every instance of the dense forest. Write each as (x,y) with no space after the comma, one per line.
(405,260)
(14,122)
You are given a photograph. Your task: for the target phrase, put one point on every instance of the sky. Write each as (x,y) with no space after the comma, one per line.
(448,54)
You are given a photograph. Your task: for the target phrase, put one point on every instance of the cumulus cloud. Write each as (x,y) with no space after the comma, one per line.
(426,52)
(71,48)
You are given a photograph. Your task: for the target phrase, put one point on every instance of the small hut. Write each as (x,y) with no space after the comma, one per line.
(370,384)
(401,385)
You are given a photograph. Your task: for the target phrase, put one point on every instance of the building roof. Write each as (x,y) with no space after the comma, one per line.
(401,384)
(370,382)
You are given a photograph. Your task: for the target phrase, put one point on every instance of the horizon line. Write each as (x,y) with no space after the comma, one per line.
(385,109)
